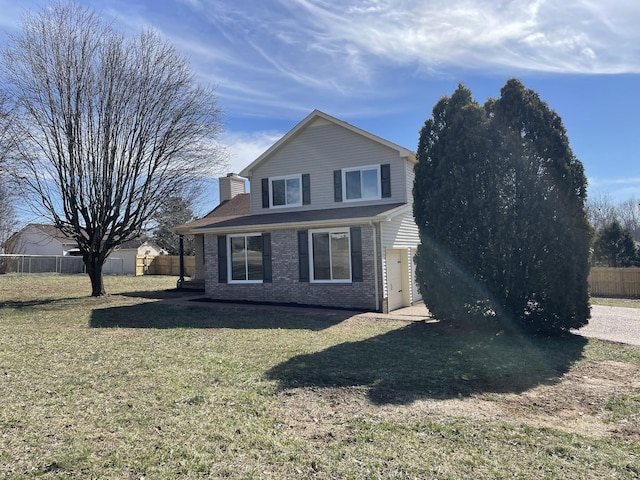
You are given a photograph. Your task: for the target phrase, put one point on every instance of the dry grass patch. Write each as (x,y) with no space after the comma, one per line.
(127,386)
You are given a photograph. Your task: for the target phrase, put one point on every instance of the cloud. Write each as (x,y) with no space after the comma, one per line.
(619,188)
(569,36)
(243,148)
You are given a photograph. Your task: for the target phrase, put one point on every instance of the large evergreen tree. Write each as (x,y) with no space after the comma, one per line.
(499,201)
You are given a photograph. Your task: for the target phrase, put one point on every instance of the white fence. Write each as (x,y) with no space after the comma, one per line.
(54,264)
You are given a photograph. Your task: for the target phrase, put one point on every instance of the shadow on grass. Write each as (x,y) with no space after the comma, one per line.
(223,315)
(160,294)
(433,360)
(49,302)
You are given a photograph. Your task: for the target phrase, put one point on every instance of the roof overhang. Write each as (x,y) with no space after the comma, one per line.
(265,222)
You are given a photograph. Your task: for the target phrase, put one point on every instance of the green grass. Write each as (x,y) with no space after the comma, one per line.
(616,302)
(128,386)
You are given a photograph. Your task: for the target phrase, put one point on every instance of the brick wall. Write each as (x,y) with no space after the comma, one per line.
(286,287)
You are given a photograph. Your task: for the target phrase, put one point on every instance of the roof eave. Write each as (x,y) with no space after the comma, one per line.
(341,222)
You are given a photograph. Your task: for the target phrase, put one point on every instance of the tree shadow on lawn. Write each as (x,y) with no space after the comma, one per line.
(434,360)
(165,315)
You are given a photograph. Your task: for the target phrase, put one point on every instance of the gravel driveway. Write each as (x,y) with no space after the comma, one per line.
(617,324)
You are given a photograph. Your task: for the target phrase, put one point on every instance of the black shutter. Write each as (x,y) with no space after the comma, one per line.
(385,180)
(222,259)
(303,255)
(356,254)
(266,258)
(265,193)
(306,189)
(337,185)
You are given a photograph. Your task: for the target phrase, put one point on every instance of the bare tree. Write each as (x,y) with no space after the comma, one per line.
(601,210)
(628,212)
(107,127)
(7,211)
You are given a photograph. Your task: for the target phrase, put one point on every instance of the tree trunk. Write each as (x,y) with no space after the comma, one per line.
(93,264)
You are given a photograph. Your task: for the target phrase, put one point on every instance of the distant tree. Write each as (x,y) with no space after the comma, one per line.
(7,211)
(628,213)
(106,127)
(614,247)
(499,201)
(174,211)
(601,210)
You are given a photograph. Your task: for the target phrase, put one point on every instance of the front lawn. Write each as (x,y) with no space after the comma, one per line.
(136,385)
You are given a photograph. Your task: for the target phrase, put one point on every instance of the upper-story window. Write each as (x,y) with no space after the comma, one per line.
(371,182)
(361,183)
(286,191)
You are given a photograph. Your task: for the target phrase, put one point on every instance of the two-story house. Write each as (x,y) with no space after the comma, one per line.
(328,221)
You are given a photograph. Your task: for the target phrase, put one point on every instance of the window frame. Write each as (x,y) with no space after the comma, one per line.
(329,231)
(285,178)
(246,264)
(361,169)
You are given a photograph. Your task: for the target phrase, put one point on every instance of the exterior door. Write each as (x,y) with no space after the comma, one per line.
(394,280)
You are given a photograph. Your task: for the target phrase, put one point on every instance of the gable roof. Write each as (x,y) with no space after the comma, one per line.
(313,116)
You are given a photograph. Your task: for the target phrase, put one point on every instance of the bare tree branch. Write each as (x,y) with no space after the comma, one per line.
(107,127)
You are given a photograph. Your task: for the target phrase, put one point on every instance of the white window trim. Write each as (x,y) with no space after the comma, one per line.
(230,258)
(285,178)
(311,270)
(360,169)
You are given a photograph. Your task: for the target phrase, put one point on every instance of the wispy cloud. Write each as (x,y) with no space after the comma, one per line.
(245,147)
(619,188)
(543,35)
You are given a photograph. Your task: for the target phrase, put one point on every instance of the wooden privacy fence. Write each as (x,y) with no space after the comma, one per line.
(615,282)
(164,265)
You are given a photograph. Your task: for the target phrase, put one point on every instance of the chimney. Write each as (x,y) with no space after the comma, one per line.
(230,186)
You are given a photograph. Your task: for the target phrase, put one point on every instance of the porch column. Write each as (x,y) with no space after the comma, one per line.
(181,249)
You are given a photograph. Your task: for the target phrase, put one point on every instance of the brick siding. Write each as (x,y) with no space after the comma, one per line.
(286,287)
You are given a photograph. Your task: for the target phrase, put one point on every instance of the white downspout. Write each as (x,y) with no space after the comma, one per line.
(375,263)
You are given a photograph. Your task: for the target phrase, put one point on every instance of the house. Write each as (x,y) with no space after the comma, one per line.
(47,240)
(39,239)
(129,250)
(328,222)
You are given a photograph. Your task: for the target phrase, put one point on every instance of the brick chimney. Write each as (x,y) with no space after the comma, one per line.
(231,185)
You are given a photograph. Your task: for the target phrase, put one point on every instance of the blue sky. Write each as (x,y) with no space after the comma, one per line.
(383,64)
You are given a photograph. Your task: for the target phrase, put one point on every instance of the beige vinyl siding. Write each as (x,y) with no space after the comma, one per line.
(318,150)
(400,232)
(410,176)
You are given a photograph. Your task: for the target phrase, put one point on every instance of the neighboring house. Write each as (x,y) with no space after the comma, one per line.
(38,239)
(329,221)
(128,251)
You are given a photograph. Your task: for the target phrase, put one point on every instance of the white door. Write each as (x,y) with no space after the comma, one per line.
(394,279)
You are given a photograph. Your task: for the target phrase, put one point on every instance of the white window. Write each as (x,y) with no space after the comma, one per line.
(361,183)
(244,258)
(330,255)
(286,191)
